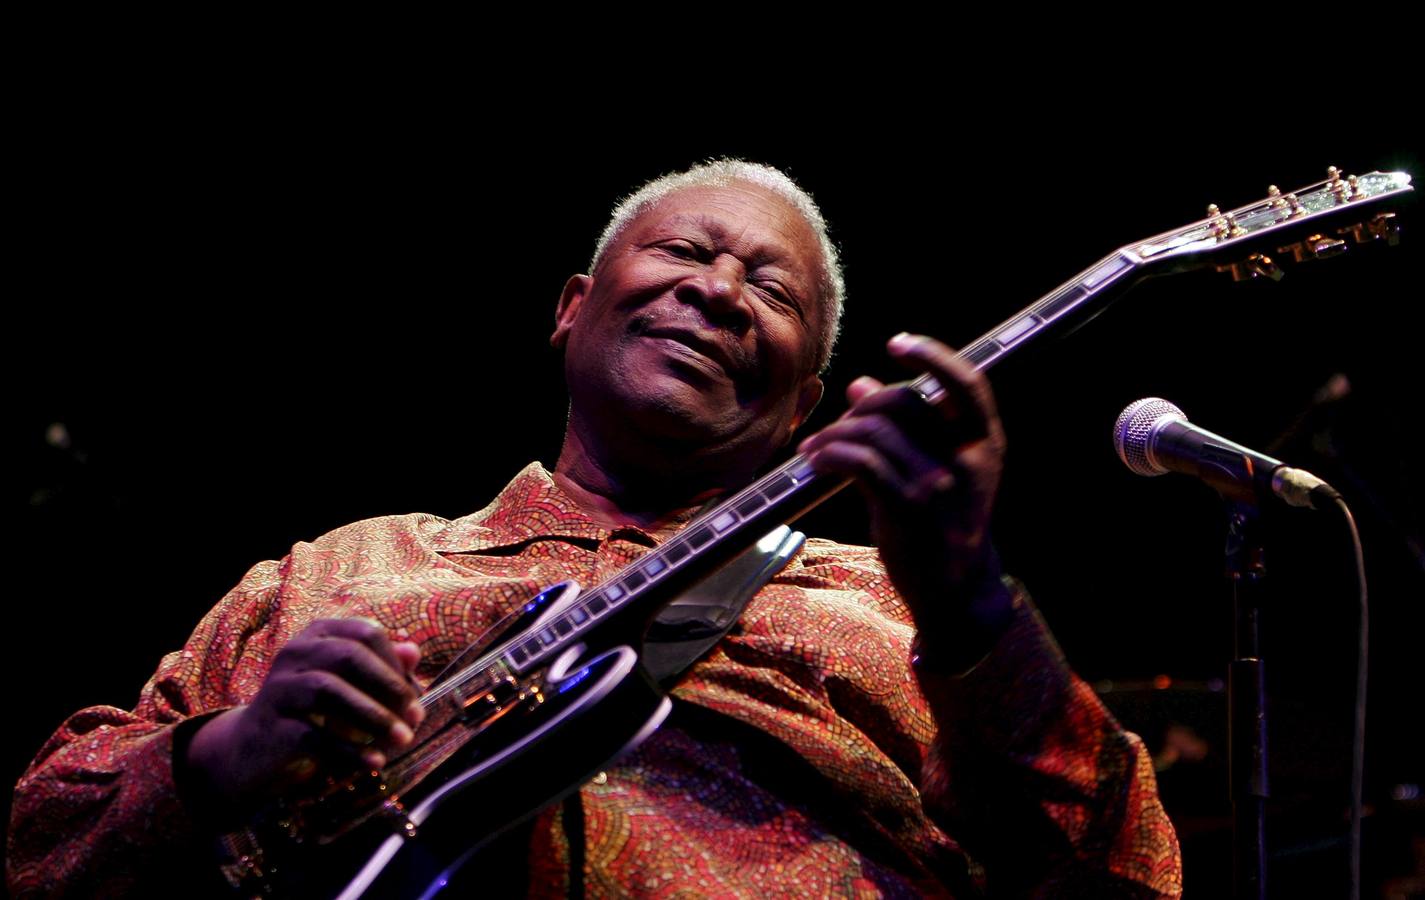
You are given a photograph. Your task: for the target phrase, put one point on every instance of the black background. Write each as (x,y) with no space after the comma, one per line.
(262,308)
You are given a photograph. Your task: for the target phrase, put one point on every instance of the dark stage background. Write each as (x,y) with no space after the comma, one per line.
(239,324)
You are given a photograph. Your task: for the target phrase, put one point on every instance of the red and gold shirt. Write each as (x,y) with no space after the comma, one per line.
(805,757)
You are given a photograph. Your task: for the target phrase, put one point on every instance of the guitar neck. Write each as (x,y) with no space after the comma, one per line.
(793,488)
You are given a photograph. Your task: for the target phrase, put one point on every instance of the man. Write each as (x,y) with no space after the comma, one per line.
(803,755)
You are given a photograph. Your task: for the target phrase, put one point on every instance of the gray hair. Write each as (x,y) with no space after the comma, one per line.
(719,173)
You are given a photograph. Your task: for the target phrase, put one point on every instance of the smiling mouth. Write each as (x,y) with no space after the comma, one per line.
(696,350)
(691,355)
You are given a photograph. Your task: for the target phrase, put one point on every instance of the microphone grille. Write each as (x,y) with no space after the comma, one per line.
(1135,426)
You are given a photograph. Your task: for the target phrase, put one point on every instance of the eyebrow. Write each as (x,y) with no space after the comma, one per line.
(761,255)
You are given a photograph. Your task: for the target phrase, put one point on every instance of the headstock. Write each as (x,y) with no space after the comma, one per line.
(1283,227)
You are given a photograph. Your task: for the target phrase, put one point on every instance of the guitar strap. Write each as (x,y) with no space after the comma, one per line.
(691,624)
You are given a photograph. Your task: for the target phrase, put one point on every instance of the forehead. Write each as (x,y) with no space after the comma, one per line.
(755,222)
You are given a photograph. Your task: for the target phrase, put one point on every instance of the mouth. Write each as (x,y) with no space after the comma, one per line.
(703,352)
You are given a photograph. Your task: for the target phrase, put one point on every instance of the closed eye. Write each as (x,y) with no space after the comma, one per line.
(779,294)
(681,249)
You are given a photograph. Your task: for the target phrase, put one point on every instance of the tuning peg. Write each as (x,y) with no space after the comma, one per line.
(1322,246)
(1258,265)
(1317,246)
(1382,227)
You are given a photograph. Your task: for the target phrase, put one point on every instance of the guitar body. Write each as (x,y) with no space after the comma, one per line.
(593,715)
(475,771)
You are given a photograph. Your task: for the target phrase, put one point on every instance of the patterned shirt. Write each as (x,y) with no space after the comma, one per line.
(805,757)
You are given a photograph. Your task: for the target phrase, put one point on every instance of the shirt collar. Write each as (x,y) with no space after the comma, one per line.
(531,507)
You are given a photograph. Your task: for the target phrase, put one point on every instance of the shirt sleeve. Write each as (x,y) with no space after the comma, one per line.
(1044,788)
(98,812)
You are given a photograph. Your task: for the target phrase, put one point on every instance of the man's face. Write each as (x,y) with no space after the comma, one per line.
(702,322)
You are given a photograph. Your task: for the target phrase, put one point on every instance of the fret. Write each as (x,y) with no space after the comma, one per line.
(1106,271)
(1061,301)
(1019,328)
(981,353)
(751,505)
(677,552)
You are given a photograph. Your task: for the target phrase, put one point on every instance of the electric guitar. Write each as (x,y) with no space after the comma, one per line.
(557,692)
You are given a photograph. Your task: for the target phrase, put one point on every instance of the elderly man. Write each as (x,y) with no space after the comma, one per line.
(881,722)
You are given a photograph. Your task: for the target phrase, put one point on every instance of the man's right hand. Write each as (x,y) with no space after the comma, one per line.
(339,696)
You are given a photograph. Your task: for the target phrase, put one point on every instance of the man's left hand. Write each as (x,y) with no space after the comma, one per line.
(929,474)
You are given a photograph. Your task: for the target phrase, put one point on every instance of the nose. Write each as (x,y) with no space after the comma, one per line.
(718,289)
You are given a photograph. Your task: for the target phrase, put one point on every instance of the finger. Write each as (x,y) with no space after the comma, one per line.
(967,389)
(357,664)
(860,388)
(338,708)
(322,748)
(920,473)
(362,630)
(409,654)
(874,472)
(402,657)
(930,427)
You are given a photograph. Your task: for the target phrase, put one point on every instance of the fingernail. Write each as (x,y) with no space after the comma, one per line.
(402,734)
(415,713)
(904,339)
(373,758)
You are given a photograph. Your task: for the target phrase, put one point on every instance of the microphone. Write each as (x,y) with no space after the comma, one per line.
(1153,437)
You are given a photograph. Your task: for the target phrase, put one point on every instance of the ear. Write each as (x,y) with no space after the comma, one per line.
(570,300)
(807,399)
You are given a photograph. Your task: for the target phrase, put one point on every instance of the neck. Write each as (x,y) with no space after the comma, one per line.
(643,486)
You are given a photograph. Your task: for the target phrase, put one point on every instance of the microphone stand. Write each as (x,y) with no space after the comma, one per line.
(1247,706)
